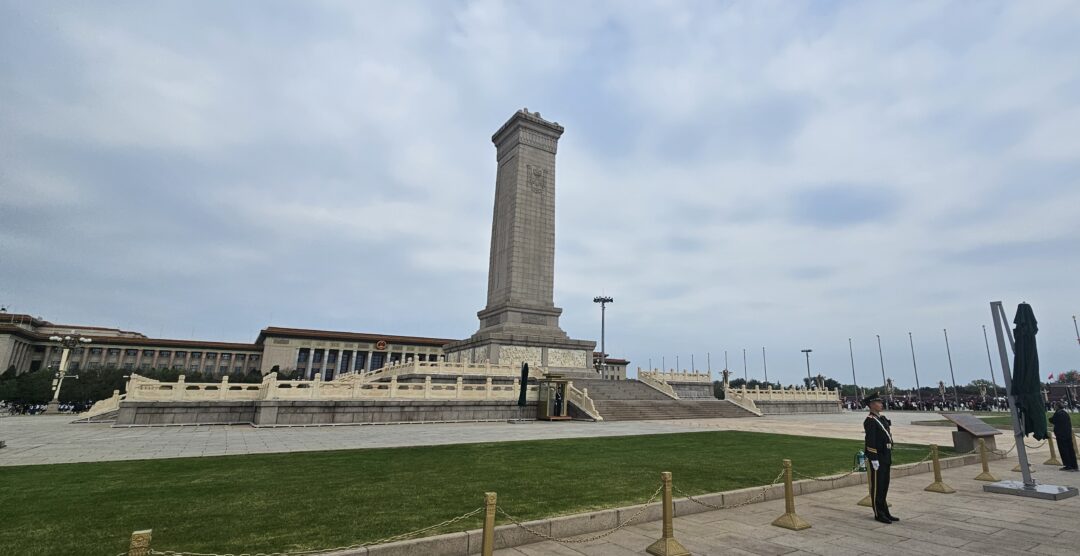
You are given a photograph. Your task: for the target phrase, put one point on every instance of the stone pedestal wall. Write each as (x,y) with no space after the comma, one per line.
(271,413)
(788,408)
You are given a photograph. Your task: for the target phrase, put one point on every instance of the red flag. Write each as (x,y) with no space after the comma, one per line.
(1050,376)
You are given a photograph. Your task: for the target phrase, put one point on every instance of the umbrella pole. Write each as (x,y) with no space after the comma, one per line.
(998,313)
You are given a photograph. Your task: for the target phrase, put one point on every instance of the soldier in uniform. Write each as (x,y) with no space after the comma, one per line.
(879,454)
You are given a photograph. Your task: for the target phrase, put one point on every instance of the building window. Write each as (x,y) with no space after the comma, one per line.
(196,355)
(226,356)
(224,369)
(144,366)
(317,357)
(331,358)
(239,368)
(210,355)
(94,366)
(180,354)
(131,352)
(253,358)
(194,368)
(95,351)
(148,353)
(240,357)
(209,369)
(163,353)
(178,367)
(360,357)
(302,355)
(73,366)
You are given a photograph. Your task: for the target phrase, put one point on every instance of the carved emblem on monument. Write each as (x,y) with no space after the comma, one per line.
(537,178)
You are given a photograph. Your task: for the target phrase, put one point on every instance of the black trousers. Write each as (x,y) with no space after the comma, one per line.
(1065,448)
(879,484)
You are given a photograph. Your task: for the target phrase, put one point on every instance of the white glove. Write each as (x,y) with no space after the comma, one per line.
(875,464)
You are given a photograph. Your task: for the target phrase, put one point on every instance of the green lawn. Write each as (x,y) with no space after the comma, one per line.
(274,502)
(1000,420)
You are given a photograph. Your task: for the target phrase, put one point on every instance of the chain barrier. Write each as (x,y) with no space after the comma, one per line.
(545,536)
(746,502)
(400,537)
(827,479)
(1035,447)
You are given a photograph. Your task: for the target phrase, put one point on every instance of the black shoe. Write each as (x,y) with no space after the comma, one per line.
(1066,469)
(892,517)
(883,519)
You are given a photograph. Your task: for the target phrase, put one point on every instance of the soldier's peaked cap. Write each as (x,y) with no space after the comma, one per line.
(875,397)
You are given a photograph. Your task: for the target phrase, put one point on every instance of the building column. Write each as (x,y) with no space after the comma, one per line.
(367,362)
(322,367)
(310,363)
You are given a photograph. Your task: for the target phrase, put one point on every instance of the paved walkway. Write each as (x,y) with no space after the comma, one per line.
(48,439)
(969,522)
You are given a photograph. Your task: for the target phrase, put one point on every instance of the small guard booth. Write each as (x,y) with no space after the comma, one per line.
(551,400)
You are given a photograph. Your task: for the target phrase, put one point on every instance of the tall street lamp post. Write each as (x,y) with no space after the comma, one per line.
(881,357)
(851,353)
(918,388)
(603,301)
(956,394)
(68,343)
(993,379)
(764,365)
(809,379)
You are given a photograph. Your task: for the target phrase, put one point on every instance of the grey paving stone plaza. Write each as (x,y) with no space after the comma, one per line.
(966,523)
(48,439)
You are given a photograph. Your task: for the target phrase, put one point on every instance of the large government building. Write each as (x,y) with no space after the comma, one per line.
(25,347)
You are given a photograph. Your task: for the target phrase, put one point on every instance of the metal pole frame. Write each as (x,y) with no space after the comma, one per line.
(997,311)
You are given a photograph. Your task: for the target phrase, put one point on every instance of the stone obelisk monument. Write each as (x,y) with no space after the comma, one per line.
(521,322)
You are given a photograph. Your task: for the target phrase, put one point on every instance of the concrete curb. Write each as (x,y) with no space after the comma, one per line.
(506,536)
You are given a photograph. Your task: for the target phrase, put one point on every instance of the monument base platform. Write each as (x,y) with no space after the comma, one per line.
(567,357)
(1042,492)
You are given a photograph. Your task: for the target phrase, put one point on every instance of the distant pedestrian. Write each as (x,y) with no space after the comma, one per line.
(1063,434)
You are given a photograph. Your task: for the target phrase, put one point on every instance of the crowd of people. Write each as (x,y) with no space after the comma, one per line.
(937,403)
(12,408)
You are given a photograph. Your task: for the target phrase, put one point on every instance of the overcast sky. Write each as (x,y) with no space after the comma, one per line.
(735,175)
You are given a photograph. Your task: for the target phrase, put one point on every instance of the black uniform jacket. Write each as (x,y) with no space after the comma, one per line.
(878,437)
(1062,423)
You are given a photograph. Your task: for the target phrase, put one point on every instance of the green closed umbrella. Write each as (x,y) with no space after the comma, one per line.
(1026,385)
(525,385)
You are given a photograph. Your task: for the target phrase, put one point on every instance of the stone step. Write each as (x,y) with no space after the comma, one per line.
(630,410)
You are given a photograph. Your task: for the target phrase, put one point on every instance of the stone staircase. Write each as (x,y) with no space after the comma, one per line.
(630,400)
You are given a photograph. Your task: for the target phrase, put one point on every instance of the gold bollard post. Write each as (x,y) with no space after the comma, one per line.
(667,545)
(789,520)
(1053,452)
(487,546)
(868,500)
(985,475)
(140,543)
(938,485)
